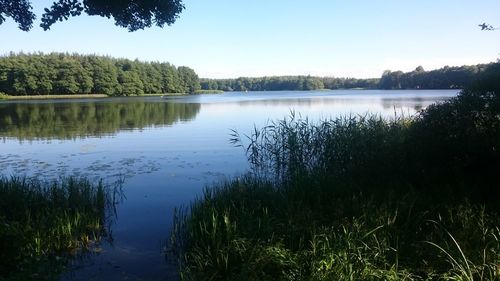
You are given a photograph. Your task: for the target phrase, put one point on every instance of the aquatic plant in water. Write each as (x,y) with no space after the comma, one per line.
(44,224)
(355,198)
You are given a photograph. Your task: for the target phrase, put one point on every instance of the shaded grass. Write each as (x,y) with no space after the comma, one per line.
(44,224)
(247,230)
(355,198)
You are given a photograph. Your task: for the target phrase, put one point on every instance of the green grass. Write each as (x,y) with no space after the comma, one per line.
(248,230)
(356,198)
(87,96)
(50,97)
(199,92)
(44,224)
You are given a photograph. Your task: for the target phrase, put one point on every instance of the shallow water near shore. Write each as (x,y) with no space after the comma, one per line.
(165,151)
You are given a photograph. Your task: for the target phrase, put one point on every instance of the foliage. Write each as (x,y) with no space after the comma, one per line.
(62,74)
(131,14)
(291,83)
(357,198)
(42,224)
(253,230)
(443,78)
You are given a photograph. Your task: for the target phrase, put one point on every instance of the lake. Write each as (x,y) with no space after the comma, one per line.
(164,151)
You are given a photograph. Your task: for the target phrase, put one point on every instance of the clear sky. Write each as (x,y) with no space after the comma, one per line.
(232,38)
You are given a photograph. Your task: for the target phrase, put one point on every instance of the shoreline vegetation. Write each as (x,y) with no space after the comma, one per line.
(39,74)
(44,225)
(356,198)
(204,92)
(89,96)
(353,198)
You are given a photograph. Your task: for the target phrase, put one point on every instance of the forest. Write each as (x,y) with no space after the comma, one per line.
(356,198)
(443,78)
(74,74)
(289,83)
(66,74)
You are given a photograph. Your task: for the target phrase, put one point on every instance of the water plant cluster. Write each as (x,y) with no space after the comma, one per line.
(45,224)
(357,198)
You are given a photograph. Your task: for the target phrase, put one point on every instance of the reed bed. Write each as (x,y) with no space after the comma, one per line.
(45,224)
(355,198)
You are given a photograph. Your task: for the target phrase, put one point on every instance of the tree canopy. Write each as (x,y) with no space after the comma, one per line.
(130,14)
(59,73)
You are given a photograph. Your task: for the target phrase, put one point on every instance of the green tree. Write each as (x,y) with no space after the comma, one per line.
(105,76)
(151,78)
(189,79)
(130,83)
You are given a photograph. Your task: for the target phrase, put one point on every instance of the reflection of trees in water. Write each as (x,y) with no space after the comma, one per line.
(81,119)
(309,102)
(417,103)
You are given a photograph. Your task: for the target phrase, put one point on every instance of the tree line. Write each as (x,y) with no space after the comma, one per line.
(62,73)
(443,78)
(290,83)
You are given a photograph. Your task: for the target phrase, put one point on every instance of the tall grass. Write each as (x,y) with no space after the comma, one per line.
(355,198)
(42,224)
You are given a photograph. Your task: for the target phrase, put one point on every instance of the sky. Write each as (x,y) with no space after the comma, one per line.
(234,38)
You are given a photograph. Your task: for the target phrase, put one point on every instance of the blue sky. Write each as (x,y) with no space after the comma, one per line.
(232,38)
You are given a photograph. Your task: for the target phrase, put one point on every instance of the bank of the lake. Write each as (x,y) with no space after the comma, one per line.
(90,96)
(356,198)
(44,225)
(201,92)
(164,151)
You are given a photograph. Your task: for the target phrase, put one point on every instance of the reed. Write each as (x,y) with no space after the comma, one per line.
(44,224)
(355,198)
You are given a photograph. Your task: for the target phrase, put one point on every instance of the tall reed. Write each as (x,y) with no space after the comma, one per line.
(42,224)
(355,198)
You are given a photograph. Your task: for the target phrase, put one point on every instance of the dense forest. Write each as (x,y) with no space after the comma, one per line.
(443,78)
(290,83)
(60,73)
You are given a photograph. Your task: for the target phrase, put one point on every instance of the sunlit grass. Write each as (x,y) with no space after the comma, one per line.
(50,97)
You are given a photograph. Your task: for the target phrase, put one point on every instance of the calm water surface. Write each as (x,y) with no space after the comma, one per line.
(165,150)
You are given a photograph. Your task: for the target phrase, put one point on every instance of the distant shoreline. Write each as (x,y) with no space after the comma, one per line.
(199,92)
(88,96)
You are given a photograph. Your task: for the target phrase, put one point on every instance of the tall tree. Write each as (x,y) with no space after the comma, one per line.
(189,78)
(105,76)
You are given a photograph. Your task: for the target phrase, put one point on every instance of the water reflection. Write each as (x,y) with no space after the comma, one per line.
(417,103)
(166,164)
(69,120)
